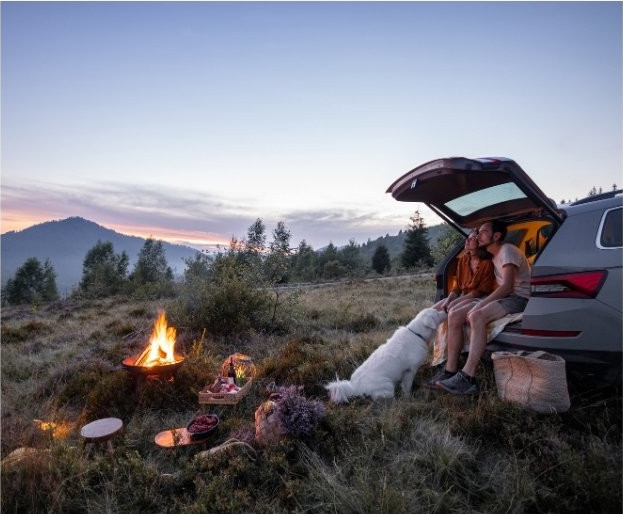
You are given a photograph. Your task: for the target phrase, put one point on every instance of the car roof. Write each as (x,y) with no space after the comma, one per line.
(612,200)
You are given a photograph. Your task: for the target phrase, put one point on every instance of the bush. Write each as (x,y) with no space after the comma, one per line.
(223,296)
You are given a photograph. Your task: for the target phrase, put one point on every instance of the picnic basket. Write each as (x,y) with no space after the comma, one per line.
(533,379)
(207,397)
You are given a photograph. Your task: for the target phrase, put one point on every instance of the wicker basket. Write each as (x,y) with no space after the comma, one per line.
(207,397)
(533,379)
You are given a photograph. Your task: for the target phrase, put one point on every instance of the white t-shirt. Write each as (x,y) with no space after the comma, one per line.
(510,254)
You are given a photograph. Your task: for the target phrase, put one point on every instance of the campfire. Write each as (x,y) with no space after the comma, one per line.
(159,357)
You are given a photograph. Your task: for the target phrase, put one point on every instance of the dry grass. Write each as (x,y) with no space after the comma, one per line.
(426,452)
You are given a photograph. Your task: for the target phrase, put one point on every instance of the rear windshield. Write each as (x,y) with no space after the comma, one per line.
(472,202)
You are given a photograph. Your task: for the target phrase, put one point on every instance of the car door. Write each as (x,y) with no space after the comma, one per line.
(467,192)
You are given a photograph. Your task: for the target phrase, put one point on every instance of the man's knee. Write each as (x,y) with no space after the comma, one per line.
(477,318)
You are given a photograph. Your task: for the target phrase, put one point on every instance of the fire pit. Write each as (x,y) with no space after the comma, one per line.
(158,359)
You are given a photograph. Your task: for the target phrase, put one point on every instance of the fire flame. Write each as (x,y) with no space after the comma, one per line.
(161,345)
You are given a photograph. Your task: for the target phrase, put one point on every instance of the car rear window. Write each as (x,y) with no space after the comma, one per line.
(472,202)
(611,229)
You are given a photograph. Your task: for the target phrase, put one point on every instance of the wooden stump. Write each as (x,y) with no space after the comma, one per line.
(100,431)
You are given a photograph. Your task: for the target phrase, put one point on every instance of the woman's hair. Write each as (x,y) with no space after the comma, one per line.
(483,254)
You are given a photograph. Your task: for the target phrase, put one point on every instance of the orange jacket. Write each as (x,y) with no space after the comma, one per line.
(481,283)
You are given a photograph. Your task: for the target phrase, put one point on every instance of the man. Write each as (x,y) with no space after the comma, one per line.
(512,275)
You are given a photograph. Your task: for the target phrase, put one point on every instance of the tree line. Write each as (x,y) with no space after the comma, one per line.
(269,263)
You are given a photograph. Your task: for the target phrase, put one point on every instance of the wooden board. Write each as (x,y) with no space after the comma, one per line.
(166,438)
(206,397)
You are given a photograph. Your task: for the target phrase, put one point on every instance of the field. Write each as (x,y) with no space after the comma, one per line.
(426,452)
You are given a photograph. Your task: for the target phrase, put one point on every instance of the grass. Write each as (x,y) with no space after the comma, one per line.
(424,452)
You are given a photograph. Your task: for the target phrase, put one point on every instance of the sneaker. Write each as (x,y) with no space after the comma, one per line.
(444,374)
(461,383)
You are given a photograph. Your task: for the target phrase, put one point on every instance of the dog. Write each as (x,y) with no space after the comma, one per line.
(395,361)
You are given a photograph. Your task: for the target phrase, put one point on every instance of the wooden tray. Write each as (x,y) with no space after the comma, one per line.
(207,397)
(166,438)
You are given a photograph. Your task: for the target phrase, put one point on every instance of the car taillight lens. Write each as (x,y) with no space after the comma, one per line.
(585,284)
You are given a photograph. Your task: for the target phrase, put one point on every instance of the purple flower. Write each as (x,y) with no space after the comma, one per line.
(299,416)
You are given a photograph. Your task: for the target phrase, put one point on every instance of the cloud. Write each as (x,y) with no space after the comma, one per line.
(186,216)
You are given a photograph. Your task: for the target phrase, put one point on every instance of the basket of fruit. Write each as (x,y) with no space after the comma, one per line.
(202,426)
(220,392)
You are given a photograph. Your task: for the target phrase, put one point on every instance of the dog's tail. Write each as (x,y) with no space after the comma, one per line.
(341,390)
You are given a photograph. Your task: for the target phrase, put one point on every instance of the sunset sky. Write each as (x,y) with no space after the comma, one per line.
(186,121)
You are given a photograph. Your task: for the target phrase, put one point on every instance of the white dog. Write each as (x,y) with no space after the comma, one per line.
(395,361)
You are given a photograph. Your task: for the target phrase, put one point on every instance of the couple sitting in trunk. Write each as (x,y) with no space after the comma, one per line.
(493,280)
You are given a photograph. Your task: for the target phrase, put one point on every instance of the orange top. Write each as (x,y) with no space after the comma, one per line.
(481,283)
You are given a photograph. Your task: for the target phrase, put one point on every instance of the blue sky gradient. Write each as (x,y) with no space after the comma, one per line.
(189,120)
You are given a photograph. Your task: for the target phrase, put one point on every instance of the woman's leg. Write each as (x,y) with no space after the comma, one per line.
(456,320)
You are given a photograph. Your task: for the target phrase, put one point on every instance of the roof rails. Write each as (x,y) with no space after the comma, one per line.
(600,196)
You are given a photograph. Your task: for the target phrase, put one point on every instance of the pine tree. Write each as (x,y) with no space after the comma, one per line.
(49,290)
(32,283)
(256,238)
(305,263)
(380,259)
(350,257)
(416,248)
(277,264)
(151,266)
(104,273)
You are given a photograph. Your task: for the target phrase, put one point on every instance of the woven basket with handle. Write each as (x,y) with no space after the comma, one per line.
(533,379)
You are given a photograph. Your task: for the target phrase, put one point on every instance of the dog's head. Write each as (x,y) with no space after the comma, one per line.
(427,321)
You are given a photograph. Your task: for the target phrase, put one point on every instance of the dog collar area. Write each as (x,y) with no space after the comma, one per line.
(419,335)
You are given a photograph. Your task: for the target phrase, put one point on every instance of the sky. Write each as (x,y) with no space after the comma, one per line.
(187,121)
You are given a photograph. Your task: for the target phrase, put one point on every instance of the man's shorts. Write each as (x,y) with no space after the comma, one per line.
(513,303)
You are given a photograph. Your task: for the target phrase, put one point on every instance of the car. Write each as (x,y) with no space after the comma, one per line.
(574,249)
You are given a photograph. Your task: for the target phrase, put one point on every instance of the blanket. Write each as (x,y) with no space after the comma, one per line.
(440,350)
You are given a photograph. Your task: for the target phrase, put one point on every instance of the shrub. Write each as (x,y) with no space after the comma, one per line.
(24,332)
(223,296)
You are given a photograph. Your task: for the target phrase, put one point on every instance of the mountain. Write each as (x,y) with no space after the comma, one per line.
(66,243)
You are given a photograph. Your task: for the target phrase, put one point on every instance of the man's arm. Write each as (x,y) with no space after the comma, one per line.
(508,286)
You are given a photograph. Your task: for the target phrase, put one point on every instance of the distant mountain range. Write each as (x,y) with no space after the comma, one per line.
(66,243)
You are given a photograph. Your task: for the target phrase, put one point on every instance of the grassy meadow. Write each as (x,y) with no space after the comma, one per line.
(427,452)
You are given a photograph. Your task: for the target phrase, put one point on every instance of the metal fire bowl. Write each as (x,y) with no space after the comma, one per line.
(164,369)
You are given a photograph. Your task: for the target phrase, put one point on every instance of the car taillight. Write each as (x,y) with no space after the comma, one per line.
(585,284)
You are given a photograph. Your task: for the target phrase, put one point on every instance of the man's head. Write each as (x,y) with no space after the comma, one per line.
(491,232)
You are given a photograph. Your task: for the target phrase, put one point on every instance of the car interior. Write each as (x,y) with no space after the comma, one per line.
(530,236)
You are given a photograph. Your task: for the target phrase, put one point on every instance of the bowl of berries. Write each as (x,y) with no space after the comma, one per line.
(202,426)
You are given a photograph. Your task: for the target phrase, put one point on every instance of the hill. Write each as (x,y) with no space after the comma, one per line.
(66,242)
(395,244)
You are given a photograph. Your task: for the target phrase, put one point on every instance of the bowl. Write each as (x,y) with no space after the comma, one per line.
(202,426)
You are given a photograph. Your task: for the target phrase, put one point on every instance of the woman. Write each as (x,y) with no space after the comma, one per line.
(474,275)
